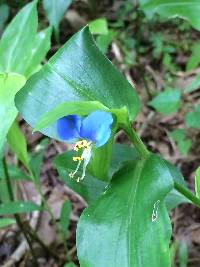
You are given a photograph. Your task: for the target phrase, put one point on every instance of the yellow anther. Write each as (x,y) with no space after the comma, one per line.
(77,158)
(82,144)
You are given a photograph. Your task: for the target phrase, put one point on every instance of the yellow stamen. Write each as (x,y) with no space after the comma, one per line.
(85,157)
(77,158)
(82,144)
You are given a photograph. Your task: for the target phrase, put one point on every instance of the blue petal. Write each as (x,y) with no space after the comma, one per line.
(68,127)
(97,127)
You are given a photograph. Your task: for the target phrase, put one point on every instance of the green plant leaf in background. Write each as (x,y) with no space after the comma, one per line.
(4,222)
(70,264)
(197,182)
(174,8)
(36,158)
(65,79)
(41,45)
(103,41)
(174,199)
(194,60)
(18,144)
(10,84)
(18,207)
(167,102)
(134,223)
(183,253)
(65,218)
(4,14)
(21,47)
(192,118)
(184,144)
(17,40)
(195,84)
(14,172)
(99,26)
(55,11)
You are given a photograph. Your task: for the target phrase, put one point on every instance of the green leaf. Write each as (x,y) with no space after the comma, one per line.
(10,84)
(4,14)
(90,78)
(18,207)
(167,102)
(174,199)
(67,108)
(128,226)
(89,188)
(194,60)
(99,26)
(70,264)
(40,46)
(65,217)
(197,182)
(183,254)
(103,41)
(36,159)
(18,144)
(184,144)
(55,11)
(14,172)
(195,84)
(4,222)
(179,8)
(192,118)
(17,40)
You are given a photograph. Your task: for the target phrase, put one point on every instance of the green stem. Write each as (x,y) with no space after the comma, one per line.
(17,217)
(187,193)
(137,142)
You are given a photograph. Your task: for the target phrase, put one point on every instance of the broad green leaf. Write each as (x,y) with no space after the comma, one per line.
(99,26)
(174,8)
(4,222)
(192,118)
(40,46)
(167,102)
(131,217)
(197,182)
(55,11)
(184,144)
(65,217)
(194,60)
(64,109)
(10,84)
(18,144)
(63,79)
(18,207)
(4,14)
(17,40)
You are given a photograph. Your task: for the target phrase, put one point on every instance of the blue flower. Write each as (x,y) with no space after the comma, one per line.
(95,129)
